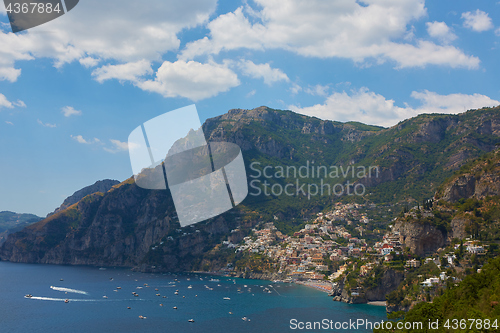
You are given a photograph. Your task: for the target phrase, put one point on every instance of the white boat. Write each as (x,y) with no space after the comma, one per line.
(191,320)
(226,298)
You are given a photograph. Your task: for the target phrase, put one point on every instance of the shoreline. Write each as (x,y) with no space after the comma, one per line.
(321,286)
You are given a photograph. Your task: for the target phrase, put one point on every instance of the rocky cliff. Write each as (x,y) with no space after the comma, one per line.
(102,186)
(388,282)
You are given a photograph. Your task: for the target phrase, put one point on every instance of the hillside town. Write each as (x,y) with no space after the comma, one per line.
(324,251)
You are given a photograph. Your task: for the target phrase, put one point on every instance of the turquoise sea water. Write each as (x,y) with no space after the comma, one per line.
(198,298)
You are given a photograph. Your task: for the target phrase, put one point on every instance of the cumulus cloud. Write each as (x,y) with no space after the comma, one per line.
(440,31)
(131,71)
(368,107)
(191,80)
(46,124)
(80,139)
(5,103)
(262,71)
(89,62)
(120,30)
(357,30)
(69,111)
(477,21)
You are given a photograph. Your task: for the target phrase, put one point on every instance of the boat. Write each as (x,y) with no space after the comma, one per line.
(158,295)
(128,307)
(118,287)
(191,320)
(176,293)
(102,269)
(142,317)
(226,298)
(175,308)
(66,300)
(104,296)
(214,280)
(244,318)
(189,287)
(156,289)
(28,296)
(164,296)
(61,279)
(161,304)
(136,295)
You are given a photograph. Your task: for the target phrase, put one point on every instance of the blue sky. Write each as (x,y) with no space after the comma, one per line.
(73,89)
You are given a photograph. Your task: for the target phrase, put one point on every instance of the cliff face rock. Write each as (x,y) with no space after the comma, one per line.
(476,185)
(123,228)
(421,238)
(390,281)
(102,186)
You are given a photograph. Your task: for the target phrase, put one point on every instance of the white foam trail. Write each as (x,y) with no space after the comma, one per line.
(68,290)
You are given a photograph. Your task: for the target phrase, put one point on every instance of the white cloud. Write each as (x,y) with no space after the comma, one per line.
(19,103)
(119,146)
(358,30)
(295,88)
(251,93)
(264,71)
(452,103)
(89,62)
(131,71)
(440,31)
(317,90)
(46,124)
(4,102)
(9,123)
(497,31)
(478,21)
(118,30)
(368,107)
(69,111)
(80,139)
(191,79)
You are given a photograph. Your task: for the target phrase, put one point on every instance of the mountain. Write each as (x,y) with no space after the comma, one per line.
(11,222)
(102,186)
(465,207)
(133,227)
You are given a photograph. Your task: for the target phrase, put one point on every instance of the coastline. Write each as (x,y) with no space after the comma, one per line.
(318,285)
(377,303)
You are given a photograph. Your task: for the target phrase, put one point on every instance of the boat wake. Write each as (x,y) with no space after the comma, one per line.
(68,290)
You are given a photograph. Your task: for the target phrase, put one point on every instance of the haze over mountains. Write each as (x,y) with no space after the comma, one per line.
(124,225)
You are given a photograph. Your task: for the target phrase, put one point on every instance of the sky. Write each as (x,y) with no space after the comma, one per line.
(73,89)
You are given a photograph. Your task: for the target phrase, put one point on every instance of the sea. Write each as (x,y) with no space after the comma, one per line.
(102,300)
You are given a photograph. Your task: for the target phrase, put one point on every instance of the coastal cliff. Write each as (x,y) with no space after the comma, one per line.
(387,282)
